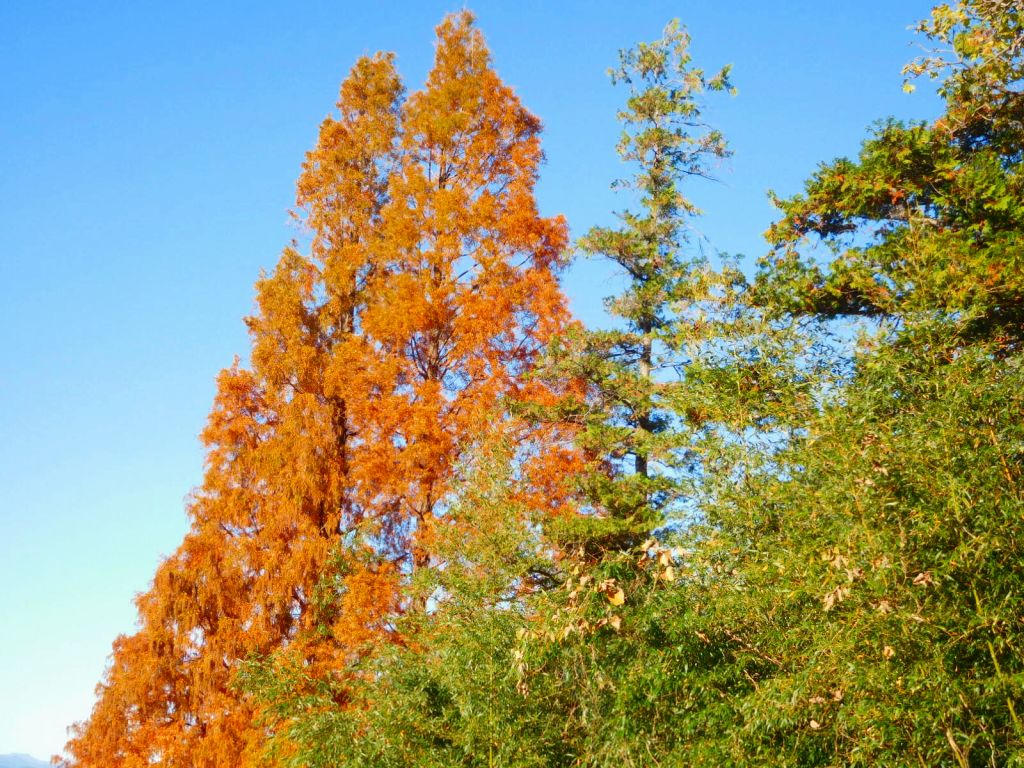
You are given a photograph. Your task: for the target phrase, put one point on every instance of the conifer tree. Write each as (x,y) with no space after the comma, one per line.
(376,359)
(464,294)
(275,498)
(936,205)
(628,425)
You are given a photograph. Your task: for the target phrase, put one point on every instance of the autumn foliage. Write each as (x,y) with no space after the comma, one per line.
(378,358)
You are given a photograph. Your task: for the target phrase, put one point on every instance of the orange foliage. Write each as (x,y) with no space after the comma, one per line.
(377,360)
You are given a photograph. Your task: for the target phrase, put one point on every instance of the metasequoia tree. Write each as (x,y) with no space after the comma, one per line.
(377,359)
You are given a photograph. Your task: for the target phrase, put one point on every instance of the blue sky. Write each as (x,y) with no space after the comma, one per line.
(147,163)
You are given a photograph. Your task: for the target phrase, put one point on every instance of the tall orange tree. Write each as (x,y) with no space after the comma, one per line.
(377,359)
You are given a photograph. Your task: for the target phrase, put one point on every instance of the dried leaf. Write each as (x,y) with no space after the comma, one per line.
(836,596)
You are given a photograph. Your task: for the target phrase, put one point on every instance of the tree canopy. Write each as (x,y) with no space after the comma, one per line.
(774,516)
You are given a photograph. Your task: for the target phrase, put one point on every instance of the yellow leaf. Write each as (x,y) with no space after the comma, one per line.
(618,597)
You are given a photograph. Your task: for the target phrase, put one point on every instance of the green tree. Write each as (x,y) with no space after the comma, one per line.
(849,592)
(629,376)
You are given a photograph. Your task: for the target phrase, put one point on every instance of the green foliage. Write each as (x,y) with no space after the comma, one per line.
(929,219)
(447,695)
(881,569)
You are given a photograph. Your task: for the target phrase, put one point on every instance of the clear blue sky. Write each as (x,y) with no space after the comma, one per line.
(147,160)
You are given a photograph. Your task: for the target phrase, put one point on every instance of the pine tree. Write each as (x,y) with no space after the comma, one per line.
(942,199)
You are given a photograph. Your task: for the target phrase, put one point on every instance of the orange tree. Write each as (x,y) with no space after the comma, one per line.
(377,358)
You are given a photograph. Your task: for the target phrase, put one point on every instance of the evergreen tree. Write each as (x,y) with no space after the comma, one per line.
(630,375)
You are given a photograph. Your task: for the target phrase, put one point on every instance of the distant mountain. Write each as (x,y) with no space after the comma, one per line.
(21,761)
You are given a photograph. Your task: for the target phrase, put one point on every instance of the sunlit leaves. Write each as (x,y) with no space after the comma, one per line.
(377,357)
